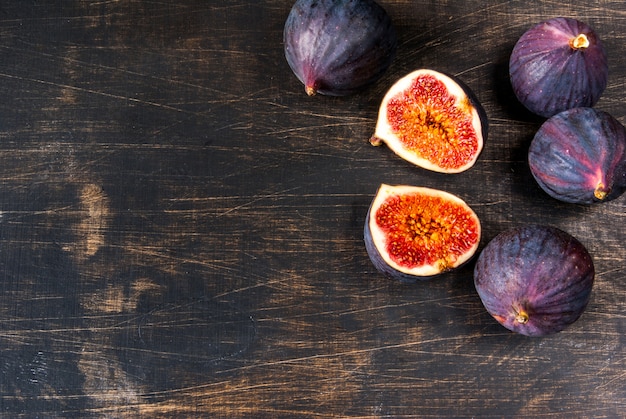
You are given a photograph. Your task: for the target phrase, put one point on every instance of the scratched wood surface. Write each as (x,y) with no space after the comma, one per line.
(181,226)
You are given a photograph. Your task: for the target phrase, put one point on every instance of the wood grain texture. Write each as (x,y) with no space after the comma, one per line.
(181,226)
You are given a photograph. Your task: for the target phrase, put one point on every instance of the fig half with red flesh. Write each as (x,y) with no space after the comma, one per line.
(414,232)
(579,156)
(534,280)
(433,121)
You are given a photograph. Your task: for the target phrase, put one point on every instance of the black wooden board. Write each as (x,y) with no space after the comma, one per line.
(181,226)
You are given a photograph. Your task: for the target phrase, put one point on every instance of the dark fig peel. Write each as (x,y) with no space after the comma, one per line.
(337,47)
(558,64)
(579,156)
(535,280)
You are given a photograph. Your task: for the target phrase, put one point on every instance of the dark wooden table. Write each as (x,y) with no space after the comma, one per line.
(181,226)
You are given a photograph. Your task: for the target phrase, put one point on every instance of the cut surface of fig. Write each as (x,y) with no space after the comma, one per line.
(432,121)
(558,64)
(337,47)
(416,232)
(535,280)
(579,156)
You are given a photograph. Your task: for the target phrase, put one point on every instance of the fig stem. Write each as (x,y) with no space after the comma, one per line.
(521,317)
(601,191)
(375,141)
(579,42)
(310,90)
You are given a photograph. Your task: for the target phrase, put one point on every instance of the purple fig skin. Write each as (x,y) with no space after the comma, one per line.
(552,69)
(534,280)
(380,264)
(579,156)
(338,47)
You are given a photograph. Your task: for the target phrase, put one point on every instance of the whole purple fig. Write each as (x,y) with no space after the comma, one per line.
(558,64)
(534,280)
(337,47)
(579,156)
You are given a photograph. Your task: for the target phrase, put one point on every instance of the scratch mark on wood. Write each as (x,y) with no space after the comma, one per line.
(67,87)
(259,198)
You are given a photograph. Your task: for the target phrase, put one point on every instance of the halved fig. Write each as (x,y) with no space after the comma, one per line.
(337,47)
(433,121)
(535,280)
(579,156)
(414,232)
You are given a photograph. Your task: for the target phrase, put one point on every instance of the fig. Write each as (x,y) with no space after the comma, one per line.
(414,232)
(534,280)
(579,156)
(432,120)
(337,47)
(558,64)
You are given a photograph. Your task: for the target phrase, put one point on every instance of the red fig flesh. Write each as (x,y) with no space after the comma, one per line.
(416,232)
(432,121)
